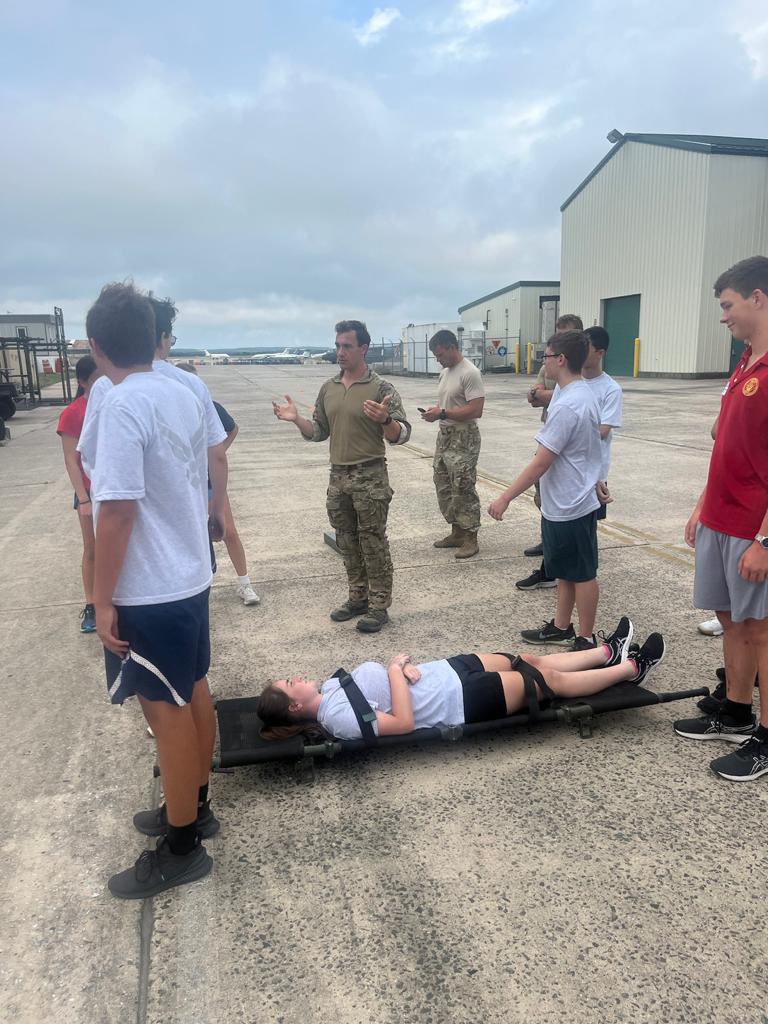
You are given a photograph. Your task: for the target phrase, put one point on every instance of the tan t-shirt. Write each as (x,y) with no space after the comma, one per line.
(459,384)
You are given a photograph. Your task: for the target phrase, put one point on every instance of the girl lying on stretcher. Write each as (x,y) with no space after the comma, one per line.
(466,688)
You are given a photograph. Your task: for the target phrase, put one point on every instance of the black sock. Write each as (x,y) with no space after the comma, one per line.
(182,839)
(202,796)
(740,713)
(762,733)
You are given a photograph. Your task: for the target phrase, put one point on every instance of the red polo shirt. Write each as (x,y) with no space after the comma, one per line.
(736,499)
(71,424)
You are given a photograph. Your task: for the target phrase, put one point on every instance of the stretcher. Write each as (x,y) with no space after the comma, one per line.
(241,742)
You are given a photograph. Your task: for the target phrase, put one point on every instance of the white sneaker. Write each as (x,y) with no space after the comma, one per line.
(711,627)
(248,595)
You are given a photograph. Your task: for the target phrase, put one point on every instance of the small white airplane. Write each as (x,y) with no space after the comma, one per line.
(288,355)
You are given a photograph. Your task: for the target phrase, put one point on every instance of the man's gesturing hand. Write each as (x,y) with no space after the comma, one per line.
(287,412)
(377,411)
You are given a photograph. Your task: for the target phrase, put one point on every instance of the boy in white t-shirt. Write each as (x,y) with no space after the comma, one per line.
(609,400)
(567,464)
(153,577)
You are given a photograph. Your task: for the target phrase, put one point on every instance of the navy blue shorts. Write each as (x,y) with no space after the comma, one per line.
(170,649)
(483,691)
(570,548)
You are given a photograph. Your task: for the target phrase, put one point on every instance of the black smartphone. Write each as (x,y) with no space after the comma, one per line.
(419,409)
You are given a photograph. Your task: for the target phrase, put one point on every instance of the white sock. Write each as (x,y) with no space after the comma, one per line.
(244,581)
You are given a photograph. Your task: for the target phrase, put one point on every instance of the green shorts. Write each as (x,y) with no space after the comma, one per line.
(570,548)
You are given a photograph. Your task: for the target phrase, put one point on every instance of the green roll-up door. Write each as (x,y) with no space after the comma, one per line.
(622,321)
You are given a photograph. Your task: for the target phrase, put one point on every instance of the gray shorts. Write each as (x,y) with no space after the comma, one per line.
(717,583)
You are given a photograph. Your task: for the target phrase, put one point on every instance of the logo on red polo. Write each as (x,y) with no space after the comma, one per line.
(750,387)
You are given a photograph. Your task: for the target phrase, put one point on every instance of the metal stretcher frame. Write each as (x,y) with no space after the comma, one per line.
(241,742)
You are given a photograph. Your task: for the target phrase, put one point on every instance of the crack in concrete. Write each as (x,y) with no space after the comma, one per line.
(146,929)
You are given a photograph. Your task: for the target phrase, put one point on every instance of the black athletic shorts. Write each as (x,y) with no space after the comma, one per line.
(483,693)
(170,649)
(570,548)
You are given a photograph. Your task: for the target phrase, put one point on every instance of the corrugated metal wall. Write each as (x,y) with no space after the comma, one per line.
(512,316)
(502,314)
(638,227)
(737,227)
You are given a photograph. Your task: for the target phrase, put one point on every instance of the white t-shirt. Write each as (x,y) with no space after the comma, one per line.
(572,433)
(215,432)
(458,385)
(609,400)
(438,698)
(86,444)
(609,406)
(151,449)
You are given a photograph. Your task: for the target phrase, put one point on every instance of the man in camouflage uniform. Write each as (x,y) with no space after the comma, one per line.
(460,397)
(358,410)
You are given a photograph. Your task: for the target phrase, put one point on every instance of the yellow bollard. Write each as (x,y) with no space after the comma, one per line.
(529,358)
(636,367)
(517,357)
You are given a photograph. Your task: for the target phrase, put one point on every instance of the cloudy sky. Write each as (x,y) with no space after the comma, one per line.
(277,166)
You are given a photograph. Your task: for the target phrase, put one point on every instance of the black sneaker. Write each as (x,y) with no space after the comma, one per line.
(537,551)
(349,610)
(711,705)
(549,634)
(88,619)
(620,642)
(715,727)
(536,581)
(159,869)
(649,656)
(748,762)
(583,643)
(155,822)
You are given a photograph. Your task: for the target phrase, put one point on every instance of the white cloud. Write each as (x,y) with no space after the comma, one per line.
(506,136)
(377,25)
(476,14)
(460,28)
(754,38)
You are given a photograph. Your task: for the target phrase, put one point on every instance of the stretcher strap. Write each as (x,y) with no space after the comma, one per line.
(364,713)
(533,681)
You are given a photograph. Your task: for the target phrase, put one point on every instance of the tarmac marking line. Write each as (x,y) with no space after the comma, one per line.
(630,535)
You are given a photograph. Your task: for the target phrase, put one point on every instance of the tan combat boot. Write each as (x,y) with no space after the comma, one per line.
(454,539)
(469,546)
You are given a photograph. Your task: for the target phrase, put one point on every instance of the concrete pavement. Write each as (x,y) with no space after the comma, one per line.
(512,878)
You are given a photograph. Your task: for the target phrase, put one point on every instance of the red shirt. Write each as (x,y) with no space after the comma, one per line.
(71,424)
(736,498)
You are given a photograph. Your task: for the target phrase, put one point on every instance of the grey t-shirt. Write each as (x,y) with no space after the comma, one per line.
(610,399)
(437,698)
(572,433)
(151,449)
(215,433)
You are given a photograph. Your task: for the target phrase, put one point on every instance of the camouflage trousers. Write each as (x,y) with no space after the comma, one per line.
(455,473)
(358,503)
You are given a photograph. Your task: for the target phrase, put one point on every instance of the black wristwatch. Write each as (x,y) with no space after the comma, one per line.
(443,414)
(762,540)
(387,421)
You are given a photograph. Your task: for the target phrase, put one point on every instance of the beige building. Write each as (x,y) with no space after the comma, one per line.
(646,234)
(522,312)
